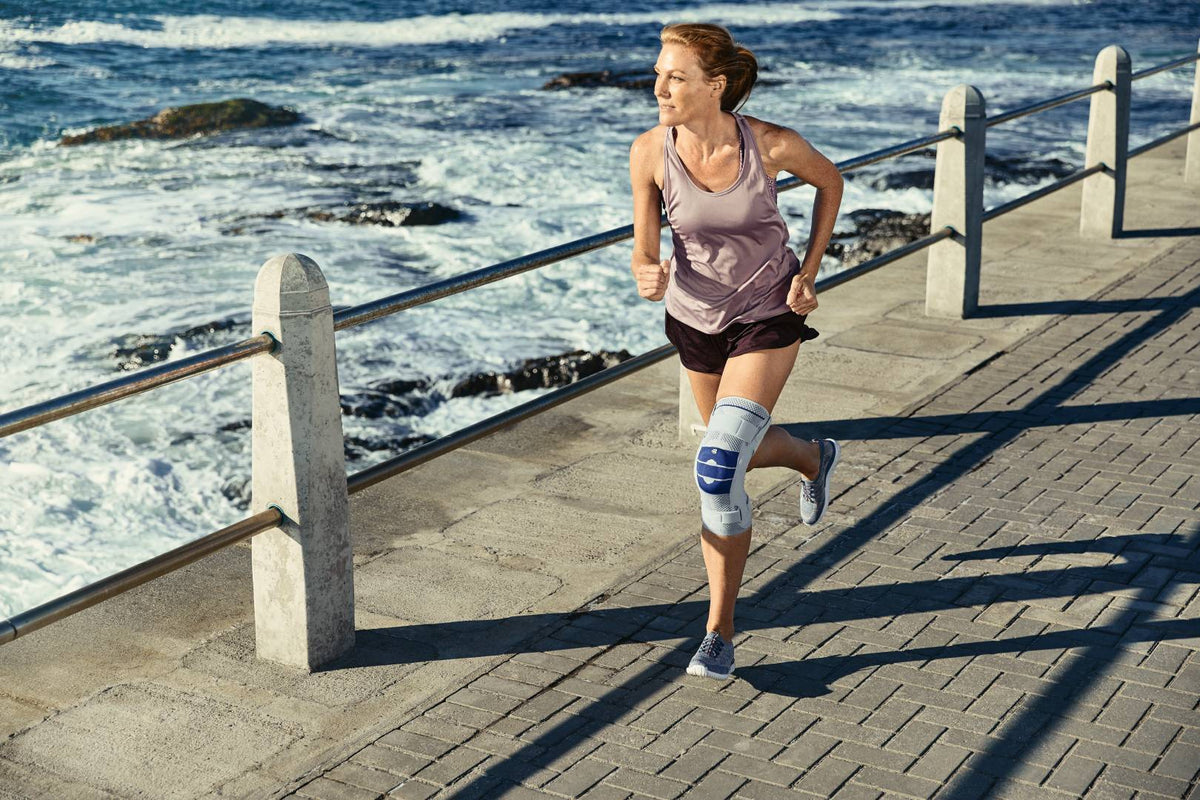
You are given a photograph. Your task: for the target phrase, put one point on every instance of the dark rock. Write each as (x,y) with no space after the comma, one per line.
(629,79)
(192,120)
(389,214)
(536,373)
(878,230)
(137,350)
(391,399)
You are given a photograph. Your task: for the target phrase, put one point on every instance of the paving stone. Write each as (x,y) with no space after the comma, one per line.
(827,776)
(1075,774)
(326,789)
(579,778)
(716,785)
(648,785)
(357,774)
(698,761)
(395,762)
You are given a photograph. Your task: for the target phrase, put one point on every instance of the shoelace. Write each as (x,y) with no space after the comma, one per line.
(711,646)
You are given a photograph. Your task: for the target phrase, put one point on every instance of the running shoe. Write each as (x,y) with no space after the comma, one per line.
(814,494)
(714,659)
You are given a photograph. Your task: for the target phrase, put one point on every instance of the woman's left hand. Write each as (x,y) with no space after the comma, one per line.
(802,297)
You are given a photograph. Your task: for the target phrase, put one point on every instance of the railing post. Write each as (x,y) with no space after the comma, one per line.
(1191,170)
(691,424)
(952,274)
(1102,209)
(303,570)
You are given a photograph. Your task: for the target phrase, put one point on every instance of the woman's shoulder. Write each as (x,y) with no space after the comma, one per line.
(772,139)
(766,133)
(647,141)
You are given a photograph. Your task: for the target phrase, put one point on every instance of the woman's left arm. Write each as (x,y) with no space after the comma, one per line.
(792,152)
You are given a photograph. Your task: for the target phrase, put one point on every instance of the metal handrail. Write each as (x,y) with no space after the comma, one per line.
(1179,62)
(1053,102)
(1137,151)
(140,381)
(1049,188)
(464,436)
(93,593)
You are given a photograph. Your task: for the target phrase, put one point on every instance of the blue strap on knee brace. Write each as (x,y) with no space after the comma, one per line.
(735,429)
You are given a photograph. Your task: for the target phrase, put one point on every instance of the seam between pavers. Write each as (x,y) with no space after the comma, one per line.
(689,542)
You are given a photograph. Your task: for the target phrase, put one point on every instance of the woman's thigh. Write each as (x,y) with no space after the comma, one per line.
(704,389)
(758,376)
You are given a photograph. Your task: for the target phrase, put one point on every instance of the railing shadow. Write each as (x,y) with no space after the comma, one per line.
(771,604)
(1151,233)
(1072,307)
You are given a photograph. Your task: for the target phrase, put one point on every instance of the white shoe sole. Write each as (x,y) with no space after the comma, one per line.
(837,454)
(701,672)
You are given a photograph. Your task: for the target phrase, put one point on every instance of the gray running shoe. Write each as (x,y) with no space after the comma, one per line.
(814,494)
(714,659)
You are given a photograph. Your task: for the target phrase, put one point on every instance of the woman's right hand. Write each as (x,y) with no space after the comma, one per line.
(652,279)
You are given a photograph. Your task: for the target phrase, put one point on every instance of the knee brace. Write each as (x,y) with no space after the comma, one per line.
(735,428)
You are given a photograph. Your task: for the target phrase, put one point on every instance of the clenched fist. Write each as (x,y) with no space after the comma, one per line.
(652,279)
(802,296)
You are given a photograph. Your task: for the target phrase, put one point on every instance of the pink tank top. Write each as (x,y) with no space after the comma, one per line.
(731,262)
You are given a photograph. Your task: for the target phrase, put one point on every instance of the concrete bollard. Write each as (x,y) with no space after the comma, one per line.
(952,275)
(1102,210)
(1191,170)
(303,570)
(691,424)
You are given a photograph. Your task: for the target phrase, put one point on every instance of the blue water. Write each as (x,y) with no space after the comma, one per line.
(437,101)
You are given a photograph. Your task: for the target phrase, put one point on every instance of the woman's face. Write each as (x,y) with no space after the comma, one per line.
(680,88)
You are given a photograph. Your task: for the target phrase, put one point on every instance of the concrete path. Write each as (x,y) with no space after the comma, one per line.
(1002,602)
(1008,569)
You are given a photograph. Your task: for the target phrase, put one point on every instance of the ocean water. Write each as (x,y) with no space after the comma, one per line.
(413,101)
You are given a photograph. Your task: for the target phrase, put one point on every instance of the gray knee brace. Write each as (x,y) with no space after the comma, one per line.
(735,428)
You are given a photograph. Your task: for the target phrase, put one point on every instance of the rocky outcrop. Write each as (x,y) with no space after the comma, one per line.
(539,373)
(192,120)
(877,230)
(627,79)
(387,213)
(136,350)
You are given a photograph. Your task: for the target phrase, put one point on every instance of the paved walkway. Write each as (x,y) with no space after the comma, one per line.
(1002,601)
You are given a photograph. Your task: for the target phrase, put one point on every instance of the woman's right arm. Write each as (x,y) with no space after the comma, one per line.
(650,273)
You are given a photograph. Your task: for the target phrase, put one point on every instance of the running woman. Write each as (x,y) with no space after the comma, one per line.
(737,296)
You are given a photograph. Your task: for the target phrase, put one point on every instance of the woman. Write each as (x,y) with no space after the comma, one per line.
(736,295)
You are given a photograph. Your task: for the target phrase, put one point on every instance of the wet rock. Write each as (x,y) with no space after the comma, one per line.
(536,373)
(389,214)
(628,79)
(877,230)
(192,120)
(390,399)
(135,350)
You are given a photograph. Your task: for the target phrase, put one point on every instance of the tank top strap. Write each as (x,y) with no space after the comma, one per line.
(754,162)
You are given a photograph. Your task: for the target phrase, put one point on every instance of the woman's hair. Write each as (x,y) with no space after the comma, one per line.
(718,55)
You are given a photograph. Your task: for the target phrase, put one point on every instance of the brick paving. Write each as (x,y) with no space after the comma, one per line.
(1002,601)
